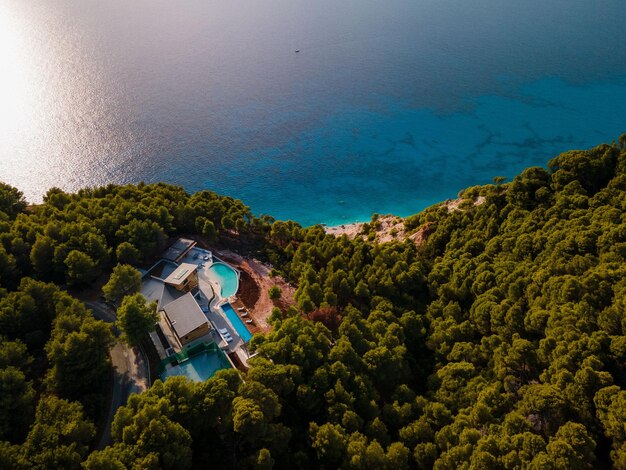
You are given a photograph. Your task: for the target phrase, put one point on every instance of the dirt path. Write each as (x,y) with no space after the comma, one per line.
(254,284)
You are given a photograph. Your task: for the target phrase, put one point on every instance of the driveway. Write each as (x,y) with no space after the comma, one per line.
(130,372)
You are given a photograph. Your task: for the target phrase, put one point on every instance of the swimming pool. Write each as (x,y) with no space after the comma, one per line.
(226,277)
(199,367)
(236,322)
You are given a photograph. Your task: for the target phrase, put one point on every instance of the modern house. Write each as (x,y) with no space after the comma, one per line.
(184,278)
(191,326)
(185,319)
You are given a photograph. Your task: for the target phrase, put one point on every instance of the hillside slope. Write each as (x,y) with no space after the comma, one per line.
(498,341)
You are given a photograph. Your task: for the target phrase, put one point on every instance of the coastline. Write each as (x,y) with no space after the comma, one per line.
(351,230)
(385,228)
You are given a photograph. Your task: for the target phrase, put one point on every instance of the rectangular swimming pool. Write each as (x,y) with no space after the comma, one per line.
(236,322)
(199,367)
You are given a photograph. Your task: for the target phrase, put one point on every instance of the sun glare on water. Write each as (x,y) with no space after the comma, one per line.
(16,91)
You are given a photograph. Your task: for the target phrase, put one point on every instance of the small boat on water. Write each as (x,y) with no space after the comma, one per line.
(297,50)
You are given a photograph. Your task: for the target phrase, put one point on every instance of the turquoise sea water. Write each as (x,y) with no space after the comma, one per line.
(389,106)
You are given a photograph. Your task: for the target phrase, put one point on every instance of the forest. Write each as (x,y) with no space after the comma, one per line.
(497,342)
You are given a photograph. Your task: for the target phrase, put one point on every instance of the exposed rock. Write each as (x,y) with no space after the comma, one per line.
(422,234)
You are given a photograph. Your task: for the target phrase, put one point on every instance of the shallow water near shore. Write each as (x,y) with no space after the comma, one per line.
(388,107)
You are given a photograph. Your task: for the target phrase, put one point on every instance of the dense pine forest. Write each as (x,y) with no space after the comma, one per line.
(496,342)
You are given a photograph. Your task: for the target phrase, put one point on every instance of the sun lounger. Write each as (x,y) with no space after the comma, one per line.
(244,314)
(241,309)
(248,321)
(223,331)
(228,338)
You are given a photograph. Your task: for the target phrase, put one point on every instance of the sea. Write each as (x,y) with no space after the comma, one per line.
(318,111)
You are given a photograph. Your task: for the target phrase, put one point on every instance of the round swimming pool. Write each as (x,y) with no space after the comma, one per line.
(226,277)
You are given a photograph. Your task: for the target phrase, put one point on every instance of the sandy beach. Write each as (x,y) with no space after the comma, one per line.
(352,230)
(388,228)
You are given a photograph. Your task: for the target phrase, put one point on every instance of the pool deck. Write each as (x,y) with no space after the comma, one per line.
(210,290)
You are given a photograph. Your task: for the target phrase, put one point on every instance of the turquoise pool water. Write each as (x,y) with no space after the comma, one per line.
(236,322)
(198,368)
(226,277)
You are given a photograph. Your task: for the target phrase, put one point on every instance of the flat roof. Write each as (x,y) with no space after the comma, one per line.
(185,315)
(152,289)
(178,249)
(181,273)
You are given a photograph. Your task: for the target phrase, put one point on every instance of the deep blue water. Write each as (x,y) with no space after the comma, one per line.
(389,106)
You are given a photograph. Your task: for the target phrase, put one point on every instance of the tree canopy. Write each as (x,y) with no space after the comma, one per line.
(497,340)
(136,318)
(124,280)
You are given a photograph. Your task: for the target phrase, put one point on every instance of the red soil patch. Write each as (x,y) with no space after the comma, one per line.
(254,284)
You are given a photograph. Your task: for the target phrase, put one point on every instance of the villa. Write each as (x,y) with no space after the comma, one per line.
(177,293)
(186,320)
(197,327)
